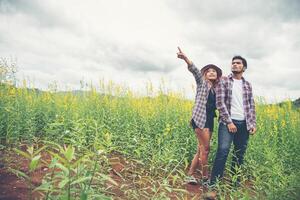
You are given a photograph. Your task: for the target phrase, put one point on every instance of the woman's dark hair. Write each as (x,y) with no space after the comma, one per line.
(244,61)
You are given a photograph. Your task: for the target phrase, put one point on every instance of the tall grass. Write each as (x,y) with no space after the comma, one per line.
(154,130)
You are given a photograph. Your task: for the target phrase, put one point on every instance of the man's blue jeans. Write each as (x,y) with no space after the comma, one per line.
(225,138)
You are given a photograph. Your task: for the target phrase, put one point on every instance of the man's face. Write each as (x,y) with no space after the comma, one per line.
(237,66)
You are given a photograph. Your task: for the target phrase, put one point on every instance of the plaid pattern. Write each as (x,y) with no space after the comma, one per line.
(224,97)
(199,110)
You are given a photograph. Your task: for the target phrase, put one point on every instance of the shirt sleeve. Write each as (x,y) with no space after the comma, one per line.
(220,102)
(252,108)
(196,72)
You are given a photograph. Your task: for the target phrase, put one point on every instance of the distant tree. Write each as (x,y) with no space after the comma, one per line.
(297,103)
(8,70)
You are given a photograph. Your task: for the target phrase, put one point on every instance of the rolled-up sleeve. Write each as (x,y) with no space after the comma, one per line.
(196,73)
(252,108)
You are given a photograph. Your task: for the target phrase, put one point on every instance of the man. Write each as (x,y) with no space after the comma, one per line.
(234,100)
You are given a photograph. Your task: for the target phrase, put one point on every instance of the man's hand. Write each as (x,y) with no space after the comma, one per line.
(252,131)
(182,56)
(232,128)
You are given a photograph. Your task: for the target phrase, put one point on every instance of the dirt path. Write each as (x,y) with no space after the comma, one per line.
(15,188)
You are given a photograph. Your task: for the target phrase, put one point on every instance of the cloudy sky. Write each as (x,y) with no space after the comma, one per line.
(133,42)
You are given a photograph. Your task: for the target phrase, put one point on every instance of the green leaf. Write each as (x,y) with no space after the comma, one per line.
(174,179)
(24,154)
(19,173)
(107,178)
(81,180)
(64,161)
(30,150)
(69,153)
(63,168)
(168,189)
(78,161)
(63,183)
(100,196)
(43,187)
(53,162)
(59,148)
(64,196)
(34,163)
(83,196)
(39,150)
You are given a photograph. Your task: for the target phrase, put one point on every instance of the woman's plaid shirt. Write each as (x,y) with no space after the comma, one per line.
(224,97)
(199,110)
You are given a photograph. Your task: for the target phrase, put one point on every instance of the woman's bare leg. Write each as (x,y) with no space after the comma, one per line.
(204,141)
(201,157)
(195,162)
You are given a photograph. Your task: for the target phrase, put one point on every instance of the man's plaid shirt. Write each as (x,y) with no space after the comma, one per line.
(199,110)
(224,97)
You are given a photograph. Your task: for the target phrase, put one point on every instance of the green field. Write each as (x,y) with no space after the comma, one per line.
(82,133)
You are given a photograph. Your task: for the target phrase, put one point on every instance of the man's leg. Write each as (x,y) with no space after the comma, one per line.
(224,142)
(240,142)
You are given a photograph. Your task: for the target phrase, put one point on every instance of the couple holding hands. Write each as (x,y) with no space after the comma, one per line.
(232,96)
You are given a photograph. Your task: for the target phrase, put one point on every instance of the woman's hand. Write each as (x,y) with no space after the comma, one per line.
(182,56)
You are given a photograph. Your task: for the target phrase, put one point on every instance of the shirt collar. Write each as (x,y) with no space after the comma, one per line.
(230,76)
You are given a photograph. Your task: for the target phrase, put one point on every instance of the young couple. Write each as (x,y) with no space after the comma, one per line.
(233,97)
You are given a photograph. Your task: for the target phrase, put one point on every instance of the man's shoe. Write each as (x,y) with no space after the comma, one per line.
(191,180)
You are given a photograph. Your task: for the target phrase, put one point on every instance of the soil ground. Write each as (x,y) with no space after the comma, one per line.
(15,188)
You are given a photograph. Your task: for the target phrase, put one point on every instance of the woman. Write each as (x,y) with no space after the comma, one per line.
(203,114)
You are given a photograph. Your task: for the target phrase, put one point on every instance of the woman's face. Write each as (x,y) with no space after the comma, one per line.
(211,74)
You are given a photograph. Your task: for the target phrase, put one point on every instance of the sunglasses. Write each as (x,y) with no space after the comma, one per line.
(236,63)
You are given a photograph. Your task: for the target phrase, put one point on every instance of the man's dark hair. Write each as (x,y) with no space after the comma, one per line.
(244,61)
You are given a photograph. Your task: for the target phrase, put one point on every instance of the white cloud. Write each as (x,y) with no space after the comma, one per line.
(132,42)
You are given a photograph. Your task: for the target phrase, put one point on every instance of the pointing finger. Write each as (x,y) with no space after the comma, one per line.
(179,49)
